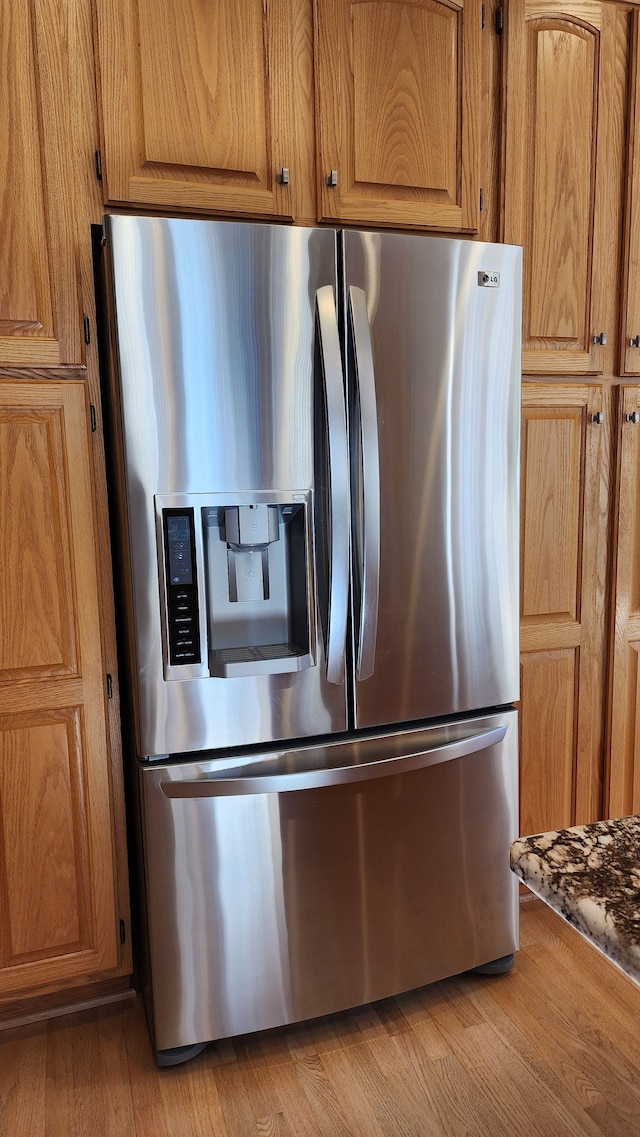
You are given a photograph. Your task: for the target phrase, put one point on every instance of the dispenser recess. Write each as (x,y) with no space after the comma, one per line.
(236,584)
(256,571)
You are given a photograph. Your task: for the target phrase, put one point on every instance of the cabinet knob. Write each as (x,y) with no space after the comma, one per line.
(283,176)
(598,418)
(332,179)
(634,342)
(602,338)
(634,417)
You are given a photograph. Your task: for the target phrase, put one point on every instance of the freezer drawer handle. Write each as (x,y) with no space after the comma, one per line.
(370,573)
(340,776)
(329,341)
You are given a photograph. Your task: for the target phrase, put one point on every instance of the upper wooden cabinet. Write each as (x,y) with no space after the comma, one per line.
(206,107)
(561,164)
(630,307)
(398,95)
(197,104)
(40,315)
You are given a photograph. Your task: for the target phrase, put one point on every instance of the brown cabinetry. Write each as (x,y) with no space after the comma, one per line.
(564,82)
(197,104)
(563,583)
(571,164)
(209,108)
(399,111)
(40,316)
(624,742)
(59,918)
(630,291)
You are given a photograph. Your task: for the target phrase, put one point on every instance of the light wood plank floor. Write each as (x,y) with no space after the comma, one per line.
(550,1050)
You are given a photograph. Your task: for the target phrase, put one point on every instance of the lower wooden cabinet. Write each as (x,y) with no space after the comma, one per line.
(624,689)
(59,918)
(565,508)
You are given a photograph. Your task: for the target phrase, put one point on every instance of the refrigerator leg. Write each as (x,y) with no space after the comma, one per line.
(175,1055)
(495,966)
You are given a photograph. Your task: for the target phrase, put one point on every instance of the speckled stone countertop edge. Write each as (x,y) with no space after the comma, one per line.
(590,875)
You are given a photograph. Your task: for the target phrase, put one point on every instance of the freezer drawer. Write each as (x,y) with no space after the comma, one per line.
(289,885)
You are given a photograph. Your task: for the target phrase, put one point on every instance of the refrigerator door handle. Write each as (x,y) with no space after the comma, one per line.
(370,574)
(339,518)
(315,779)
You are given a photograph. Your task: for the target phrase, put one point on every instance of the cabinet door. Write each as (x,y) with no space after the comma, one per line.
(398,95)
(624,747)
(630,321)
(563,570)
(58,917)
(559,71)
(197,104)
(40,321)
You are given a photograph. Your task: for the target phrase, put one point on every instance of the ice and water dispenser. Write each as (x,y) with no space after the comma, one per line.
(250,614)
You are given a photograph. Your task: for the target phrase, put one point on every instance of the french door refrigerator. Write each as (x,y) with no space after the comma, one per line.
(316,439)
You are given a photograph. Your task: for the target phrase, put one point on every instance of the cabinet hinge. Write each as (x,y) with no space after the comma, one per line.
(109,687)
(123,932)
(86,323)
(94,421)
(499,20)
(481,200)
(98,158)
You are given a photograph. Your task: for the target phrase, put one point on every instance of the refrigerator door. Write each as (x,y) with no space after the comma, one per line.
(432,329)
(289,885)
(224,352)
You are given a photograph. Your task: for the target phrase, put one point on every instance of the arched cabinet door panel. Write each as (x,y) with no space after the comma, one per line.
(560,59)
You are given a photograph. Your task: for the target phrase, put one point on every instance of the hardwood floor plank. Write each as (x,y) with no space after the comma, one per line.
(191,1100)
(356,1079)
(329,1033)
(403,1089)
(570,959)
(144,1076)
(521,1100)
(278,1100)
(611,1121)
(23,1058)
(598,1068)
(76,1101)
(423,1026)
(329,1115)
(239,1118)
(115,1073)
(546,1041)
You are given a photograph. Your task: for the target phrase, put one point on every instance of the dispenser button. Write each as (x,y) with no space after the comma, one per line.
(182,589)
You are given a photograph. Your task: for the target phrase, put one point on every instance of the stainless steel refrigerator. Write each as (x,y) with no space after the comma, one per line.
(316,441)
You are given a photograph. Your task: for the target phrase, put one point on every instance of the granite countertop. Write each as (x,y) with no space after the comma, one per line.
(590,875)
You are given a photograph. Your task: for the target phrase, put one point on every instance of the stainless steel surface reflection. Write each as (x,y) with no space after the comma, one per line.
(446,360)
(269,907)
(213,329)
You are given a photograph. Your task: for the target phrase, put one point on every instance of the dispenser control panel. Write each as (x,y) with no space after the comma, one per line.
(182,590)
